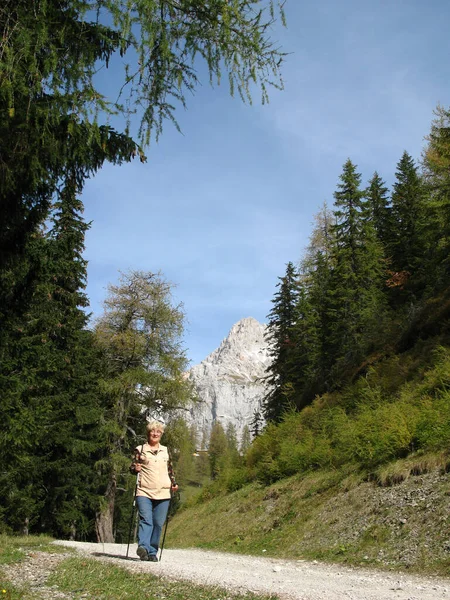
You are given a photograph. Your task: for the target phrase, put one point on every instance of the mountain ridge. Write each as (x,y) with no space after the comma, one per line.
(231,381)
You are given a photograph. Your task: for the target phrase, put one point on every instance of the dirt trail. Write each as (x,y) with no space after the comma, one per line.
(293,579)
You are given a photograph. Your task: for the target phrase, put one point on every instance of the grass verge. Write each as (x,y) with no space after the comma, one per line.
(91,579)
(13,549)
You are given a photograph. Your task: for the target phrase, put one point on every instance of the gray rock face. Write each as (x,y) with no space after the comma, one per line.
(230,381)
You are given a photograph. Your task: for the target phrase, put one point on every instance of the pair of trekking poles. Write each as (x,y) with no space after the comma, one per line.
(133,510)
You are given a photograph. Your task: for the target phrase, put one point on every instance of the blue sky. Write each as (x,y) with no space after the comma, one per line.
(223,207)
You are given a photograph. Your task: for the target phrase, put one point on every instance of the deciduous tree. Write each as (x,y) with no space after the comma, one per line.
(139,334)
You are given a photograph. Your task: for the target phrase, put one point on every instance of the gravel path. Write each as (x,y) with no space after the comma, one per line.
(290,579)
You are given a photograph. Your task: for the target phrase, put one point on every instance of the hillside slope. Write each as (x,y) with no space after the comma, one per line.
(362,476)
(329,516)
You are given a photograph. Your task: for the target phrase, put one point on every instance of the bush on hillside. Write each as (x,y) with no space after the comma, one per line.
(371,423)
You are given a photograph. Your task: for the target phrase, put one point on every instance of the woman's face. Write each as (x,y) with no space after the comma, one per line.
(154,435)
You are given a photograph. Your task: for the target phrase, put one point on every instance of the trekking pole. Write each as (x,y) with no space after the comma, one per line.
(132,512)
(165,530)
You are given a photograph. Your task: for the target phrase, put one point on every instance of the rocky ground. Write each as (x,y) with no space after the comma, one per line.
(34,572)
(290,579)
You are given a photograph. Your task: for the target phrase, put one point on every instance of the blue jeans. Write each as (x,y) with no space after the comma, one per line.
(152,514)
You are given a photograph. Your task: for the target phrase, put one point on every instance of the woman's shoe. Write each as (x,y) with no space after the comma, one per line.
(152,558)
(142,553)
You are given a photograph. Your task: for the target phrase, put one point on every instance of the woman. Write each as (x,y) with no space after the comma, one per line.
(155,483)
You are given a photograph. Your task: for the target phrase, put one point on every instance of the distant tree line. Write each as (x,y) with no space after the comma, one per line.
(374,262)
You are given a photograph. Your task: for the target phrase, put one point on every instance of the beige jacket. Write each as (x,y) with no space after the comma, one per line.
(154,479)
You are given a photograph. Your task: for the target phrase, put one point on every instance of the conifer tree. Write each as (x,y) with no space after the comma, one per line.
(280,332)
(57,392)
(73,440)
(305,357)
(348,257)
(356,300)
(257,423)
(203,470)
(436,163)
(378,199)
(181,444)
(233,452)
(406,244)
(246,440)
(217,450)
(316,269)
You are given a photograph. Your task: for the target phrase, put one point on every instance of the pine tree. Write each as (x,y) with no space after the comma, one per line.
(76,411)
(246,440)
(232,443)
(42,317)
(355,296)
(436,163)
(257,423)
(378,199)
(57,392)
(406,245)
(305,358)
(181,443)
(315,280)
(217,450)
(280,331)
(203,470)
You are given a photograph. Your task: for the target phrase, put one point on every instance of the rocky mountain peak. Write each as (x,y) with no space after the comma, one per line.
(230,382)
(242,354)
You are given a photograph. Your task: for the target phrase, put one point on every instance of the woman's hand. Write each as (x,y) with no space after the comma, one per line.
(174,488)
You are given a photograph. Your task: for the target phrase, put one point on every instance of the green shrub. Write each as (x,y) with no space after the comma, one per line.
(268,472)
(264,447)
(235,478)
(312,452)
(433,426)
(375,436)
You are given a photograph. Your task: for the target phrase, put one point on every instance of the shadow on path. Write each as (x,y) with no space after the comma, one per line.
(115,556)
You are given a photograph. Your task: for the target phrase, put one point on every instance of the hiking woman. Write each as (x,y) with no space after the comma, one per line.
(155,484)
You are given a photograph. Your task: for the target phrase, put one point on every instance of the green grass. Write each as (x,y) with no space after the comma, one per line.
(9,592)
(13,549)
(92,579)
(95,580)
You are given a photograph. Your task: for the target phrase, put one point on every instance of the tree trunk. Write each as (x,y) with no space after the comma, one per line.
(104,519)
(25,526)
